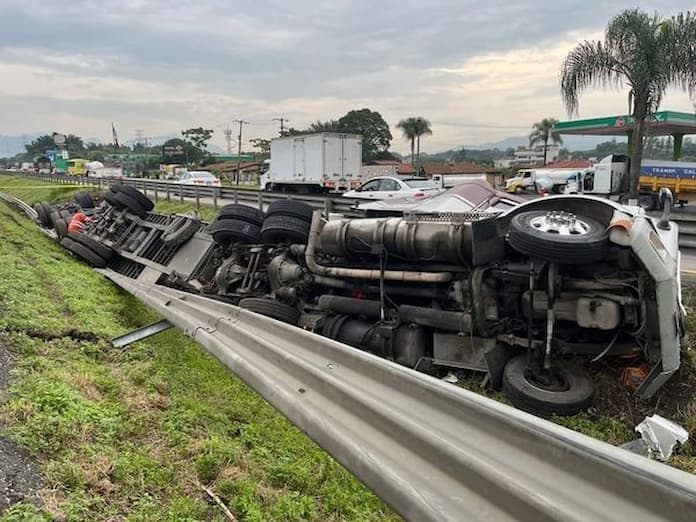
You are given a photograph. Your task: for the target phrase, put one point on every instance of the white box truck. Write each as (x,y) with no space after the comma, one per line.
(323,162)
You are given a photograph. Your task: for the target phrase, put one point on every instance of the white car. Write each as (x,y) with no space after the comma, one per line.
(198,177)
(385,187)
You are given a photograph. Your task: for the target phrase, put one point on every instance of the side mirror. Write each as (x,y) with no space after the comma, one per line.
(667,200)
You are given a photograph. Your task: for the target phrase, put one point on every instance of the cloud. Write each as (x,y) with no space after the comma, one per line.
(479,72)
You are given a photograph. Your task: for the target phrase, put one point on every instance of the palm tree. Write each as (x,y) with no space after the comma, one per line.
(409,129)
(422,129)
(543,132)
(646,52)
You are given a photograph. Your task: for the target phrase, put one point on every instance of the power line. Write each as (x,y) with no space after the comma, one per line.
(282,121)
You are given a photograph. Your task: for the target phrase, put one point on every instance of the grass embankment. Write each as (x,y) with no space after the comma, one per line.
(133,433)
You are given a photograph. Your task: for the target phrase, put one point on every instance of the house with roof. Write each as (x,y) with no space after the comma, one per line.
(452,174)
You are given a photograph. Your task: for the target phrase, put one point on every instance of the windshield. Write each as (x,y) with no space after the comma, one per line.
(420,184)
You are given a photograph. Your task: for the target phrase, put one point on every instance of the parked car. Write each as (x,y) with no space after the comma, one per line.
(198,177)
(467,197)
(384,187)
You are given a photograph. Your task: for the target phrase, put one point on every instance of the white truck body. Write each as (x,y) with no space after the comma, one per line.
(549,179)
(326,162)
(106,172)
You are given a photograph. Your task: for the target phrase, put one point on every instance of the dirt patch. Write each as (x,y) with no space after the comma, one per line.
(20,474)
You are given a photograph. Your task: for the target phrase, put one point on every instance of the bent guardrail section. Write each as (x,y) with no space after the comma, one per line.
(430,450)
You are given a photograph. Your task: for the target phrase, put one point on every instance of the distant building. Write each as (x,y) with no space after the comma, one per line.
(529,157)
(470,170)
(375,168)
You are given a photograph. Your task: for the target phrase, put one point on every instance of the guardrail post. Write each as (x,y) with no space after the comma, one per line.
(328,207)
(215,198)
(198,199)
(169,197)
(260,201)
(156,194)
(181,194)
(235,197)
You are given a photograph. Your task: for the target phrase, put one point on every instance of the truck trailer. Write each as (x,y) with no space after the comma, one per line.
(323,162)
(609,178)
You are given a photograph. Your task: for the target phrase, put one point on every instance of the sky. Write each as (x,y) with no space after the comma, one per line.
(479,71)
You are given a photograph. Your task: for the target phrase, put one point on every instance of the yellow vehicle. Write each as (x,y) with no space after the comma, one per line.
(77,167)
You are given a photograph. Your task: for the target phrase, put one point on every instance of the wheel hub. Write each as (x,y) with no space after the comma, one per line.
(561,223)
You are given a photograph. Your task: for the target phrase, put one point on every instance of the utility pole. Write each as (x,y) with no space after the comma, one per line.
(282,121)
(228,138)
(239,150)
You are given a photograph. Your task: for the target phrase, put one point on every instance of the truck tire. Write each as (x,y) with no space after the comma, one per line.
(110,197)
(648,202)
(226,231)
(270,308)
(541,234)
(284,229)
(181,230)
(44,219)
(84,199)
(291,208)
(242,213)
(570,395)
(83,252)
(138,196)
(127,202)
(98,248)
(58,224)
(66,215)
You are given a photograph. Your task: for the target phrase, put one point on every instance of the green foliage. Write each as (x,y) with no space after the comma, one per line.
(543,132)
(198,136)
(373,128)
(262,145)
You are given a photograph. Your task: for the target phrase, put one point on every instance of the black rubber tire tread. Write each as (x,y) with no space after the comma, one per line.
(587,248)
(291,208)
(98,248)
(242,213)
(138,196)
(284,229)
(116,187)
(110,198)
(61,227)
(84,199)
(226,231)
(55,219)
(83,252)
(66,215)
(526,396)
(44,219)
(131,204)
(180,230)
(270,308)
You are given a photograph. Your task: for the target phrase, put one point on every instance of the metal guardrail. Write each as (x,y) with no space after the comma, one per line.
(214,196)
(429,449)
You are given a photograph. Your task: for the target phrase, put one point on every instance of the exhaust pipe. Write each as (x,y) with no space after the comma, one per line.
(361,273)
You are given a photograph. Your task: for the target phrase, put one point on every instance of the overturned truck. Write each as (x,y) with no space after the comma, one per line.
(528,296)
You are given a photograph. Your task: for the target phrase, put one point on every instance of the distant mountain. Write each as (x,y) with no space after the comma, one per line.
(572,143)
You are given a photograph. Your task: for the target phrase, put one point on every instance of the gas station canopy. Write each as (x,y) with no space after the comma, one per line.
(663,123)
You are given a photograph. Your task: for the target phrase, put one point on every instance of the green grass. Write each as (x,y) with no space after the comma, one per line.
(133,433)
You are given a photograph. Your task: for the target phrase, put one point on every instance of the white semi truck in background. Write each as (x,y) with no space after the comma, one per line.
(323,162)
(609,178)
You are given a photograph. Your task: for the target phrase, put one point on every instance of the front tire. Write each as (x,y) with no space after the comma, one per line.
(569,394)
(558,237)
